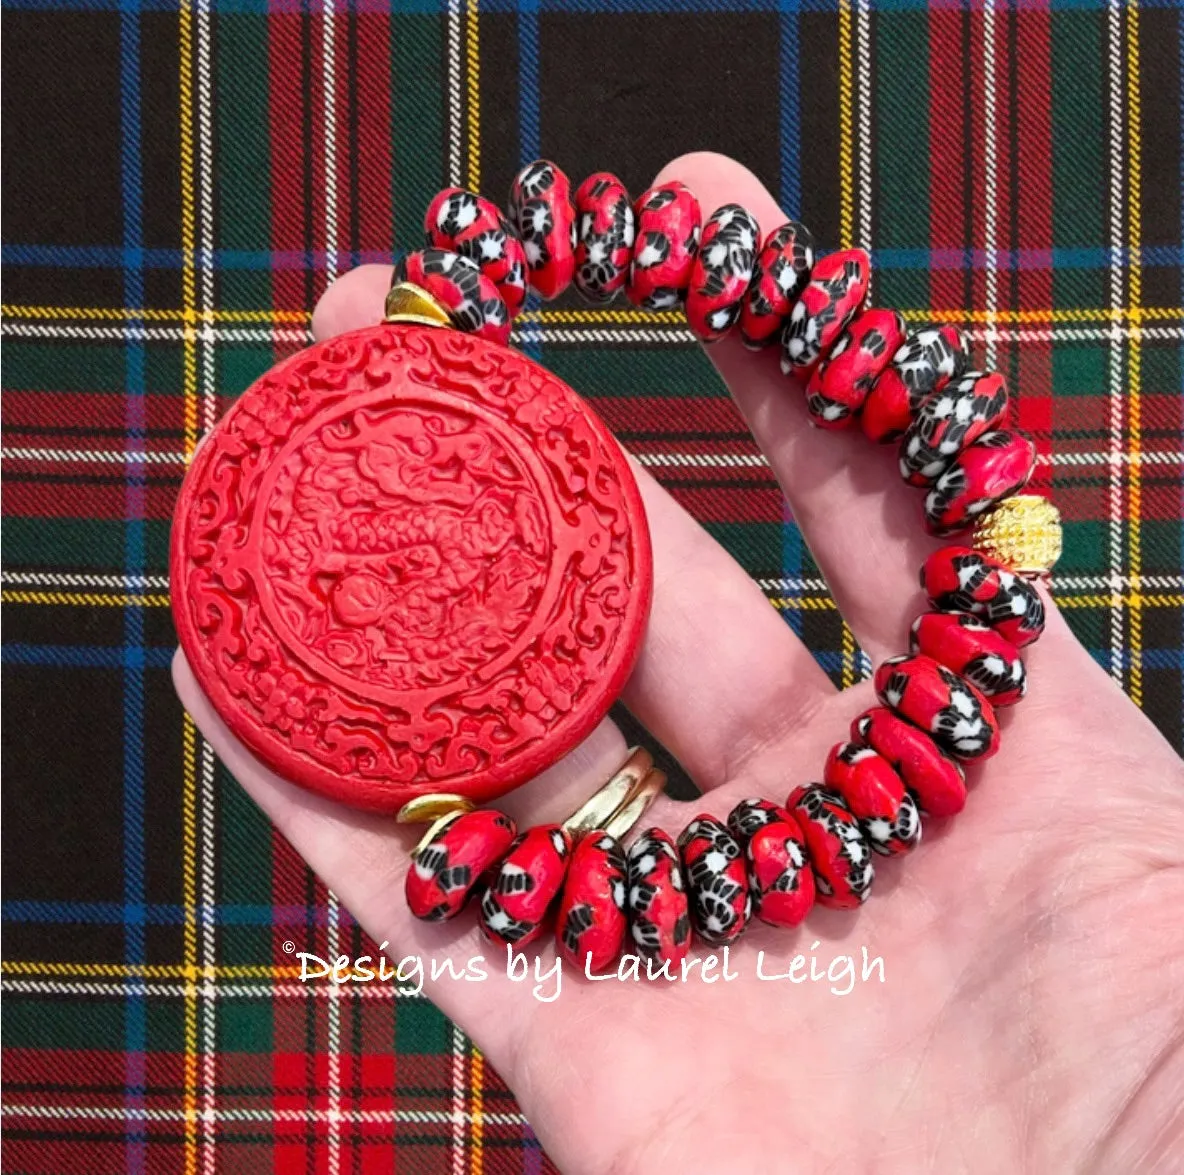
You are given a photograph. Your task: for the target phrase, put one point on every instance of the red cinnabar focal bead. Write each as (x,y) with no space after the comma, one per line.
(996,466)
(722,272)
(974,651)
(471,299)
(591,916)
(517,900)
(876,796)
(387,559)
(542,212)
(604,237)
(717,881)
(668,222)
(656,898)
(839,852)
(466,223)
(941,703)
(840,382)
(924,364)
(959,579)
(782,270)
(834,293)
(444,871)
(927,771)
(948,421)
(779,874)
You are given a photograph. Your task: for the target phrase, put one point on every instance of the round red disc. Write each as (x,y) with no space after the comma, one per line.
(406,561)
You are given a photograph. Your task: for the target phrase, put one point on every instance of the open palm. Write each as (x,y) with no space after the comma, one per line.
(1032,1009)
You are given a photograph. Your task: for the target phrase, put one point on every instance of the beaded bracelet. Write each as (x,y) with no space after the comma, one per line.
(410,569)
(904,758)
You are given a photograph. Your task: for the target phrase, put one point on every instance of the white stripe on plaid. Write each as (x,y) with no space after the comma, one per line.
(990,186)
(251,1114)
(549,335)
(790,583)
(1115,389)
(656,460)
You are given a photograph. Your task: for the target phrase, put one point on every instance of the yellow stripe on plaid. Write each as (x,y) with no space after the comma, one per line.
(846,151)
(1094,600)
(188,238)
(477,1119)
(473,86)
(846,229)
(817,603)
(148,314)
(1134,388)
(85,599)
(603,317)
(189,939)
(473,100)
(145,971)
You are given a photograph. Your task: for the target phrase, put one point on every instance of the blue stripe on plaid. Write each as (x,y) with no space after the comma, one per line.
(1061,257)
(114,257)
(529,138)
(790,180)
(136,658)
(131,657)
(135,562)
(164,914)
(792,558)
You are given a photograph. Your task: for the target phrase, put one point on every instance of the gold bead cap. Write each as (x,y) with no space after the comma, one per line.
(406,302)
(1023,532)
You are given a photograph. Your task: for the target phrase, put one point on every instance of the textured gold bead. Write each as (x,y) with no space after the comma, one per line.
(1023,532)
(406,302)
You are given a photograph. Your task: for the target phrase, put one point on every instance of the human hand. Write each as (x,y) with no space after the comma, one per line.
(1032,1015)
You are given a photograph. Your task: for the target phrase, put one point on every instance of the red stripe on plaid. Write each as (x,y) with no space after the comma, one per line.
(102,502)
(650,414)
(1031,180)
(285,54)
(90,411)
(946,151)
(373,164)
(713,504)
(1033,177)
(51,1156)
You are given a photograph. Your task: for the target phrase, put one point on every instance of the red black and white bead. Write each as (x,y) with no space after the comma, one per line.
(590,921)
(656,898)
(722,272)
(519,897)
(668,224)
(717,880)
(905,757)
(780,879)
(783,267)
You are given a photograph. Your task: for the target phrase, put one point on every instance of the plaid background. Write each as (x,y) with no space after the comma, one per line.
(181,181)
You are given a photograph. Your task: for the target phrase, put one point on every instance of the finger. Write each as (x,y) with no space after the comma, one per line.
(720,674)
(862,524)
(354,300)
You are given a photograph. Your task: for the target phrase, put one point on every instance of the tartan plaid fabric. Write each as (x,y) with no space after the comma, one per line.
(182,180)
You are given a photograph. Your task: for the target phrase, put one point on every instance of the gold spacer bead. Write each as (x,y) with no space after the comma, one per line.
(1023,533)
(406,302)
(435,828)
(429,808)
